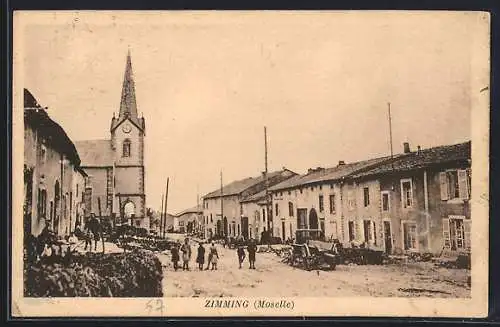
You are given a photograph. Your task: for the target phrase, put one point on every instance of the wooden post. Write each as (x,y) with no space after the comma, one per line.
(100,219)
(223,232)
(165,215)
(161,215)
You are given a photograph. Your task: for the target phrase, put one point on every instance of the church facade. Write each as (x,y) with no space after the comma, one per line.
(115,166)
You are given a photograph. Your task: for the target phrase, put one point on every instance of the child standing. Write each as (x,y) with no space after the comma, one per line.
(214,256)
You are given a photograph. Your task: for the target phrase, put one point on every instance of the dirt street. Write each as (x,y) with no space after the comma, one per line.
(276,279)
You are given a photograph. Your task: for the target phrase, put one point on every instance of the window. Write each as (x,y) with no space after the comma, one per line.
(43,152)
(366,196)
(351,231)
(321,204)
(331,186)
(42,204)
(406,193)
(350,200)
(385,201)
(137,223)
(410,235)
(369,231)
(455,184)
(277,209)
(77,190)
(211,218)
(320,187)
(456,233)
(263,214)
(290,209)
(126,148)
(289,193)
(332,203)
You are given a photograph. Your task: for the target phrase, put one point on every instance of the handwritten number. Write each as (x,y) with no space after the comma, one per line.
(155,306)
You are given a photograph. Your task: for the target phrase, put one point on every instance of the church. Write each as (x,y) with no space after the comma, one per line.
(115,166)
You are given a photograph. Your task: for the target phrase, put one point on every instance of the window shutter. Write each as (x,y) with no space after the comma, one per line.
(374,233)
(446,232)
(467,234)
(463,189)
(443,182)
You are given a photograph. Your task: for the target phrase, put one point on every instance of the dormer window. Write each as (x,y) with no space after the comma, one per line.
(126,148)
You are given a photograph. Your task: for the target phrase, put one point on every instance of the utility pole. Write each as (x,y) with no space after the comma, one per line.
(165,215)
(161,215)
(222,205)
(390,133)
(268,211)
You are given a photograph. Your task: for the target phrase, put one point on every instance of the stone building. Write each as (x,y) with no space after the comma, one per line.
(116,165)
(411,202)
(421,200)
(191,220)
(313,201)
(228,200)
(54,182)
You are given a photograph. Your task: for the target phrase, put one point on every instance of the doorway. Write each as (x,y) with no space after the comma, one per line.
(283,231)
(28,195)
(313,219)
(244,227)
(302,218)
(351,231)
(387,237)
(57,207)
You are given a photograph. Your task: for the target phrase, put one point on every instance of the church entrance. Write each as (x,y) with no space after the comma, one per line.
(129,211)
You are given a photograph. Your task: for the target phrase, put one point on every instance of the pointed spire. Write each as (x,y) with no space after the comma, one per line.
(128,105)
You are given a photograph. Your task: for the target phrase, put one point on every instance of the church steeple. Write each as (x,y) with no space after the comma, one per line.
(128,103)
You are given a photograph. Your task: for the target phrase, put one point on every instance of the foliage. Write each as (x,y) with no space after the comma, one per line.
(134,274)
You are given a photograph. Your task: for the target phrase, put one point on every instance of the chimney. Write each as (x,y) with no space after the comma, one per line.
(341,162)
(406,147)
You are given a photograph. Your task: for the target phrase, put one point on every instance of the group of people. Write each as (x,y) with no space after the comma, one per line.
(185,248)
(184,251)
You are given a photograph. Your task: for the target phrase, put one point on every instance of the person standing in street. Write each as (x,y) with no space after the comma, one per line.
(214,256)
(252,249)
(240,250)
(175,256)
(186,254)
(200,257)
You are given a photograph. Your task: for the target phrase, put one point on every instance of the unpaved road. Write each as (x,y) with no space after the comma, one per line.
(275,279)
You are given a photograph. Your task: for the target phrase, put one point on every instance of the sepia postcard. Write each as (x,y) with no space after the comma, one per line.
(257,163)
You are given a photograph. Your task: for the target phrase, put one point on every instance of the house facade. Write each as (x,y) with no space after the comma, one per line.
(423,200)
(54,182)
(411,202)
(191,220)
(223,210)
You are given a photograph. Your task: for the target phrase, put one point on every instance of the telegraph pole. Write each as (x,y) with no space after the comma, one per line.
(390,133)
(268,211)
(222,205)
(165,215)
(161,215)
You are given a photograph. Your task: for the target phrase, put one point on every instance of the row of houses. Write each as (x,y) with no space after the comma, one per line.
(55,187)
(415,201)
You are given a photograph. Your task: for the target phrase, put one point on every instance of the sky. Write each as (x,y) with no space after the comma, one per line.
(208,83)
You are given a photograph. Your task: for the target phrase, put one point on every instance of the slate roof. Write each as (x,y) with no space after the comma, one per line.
(239,186)
(327,174)
(95,153)
(37,118)
(257,197)
(425,158)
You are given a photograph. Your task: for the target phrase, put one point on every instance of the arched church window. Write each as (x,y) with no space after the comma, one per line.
(126,148)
